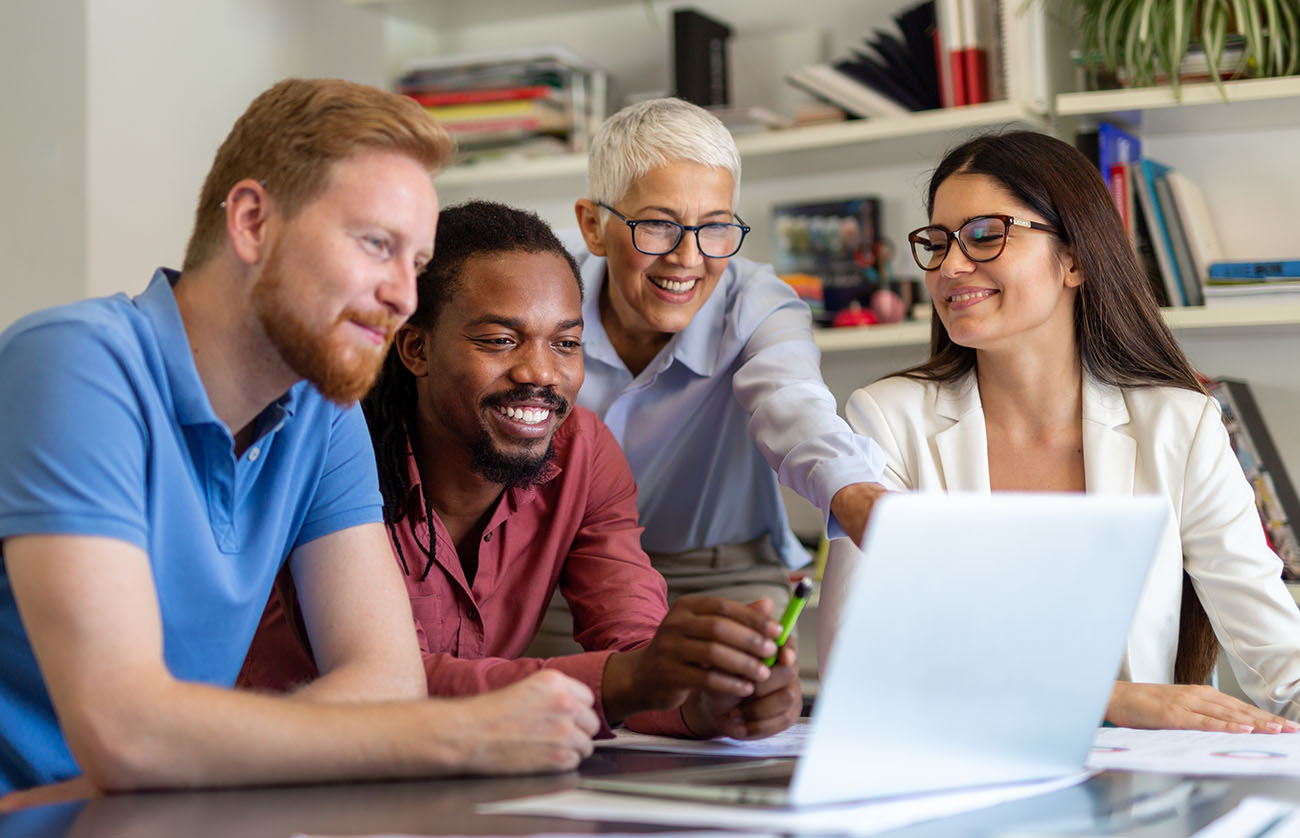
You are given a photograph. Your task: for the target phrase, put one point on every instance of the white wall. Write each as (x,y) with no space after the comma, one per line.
(42,156)
(114,110)
(167,78)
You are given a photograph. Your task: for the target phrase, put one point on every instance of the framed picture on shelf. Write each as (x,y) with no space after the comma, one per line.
(832,253)
(834,241)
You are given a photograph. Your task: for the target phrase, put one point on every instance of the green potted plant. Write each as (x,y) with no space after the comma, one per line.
(1145,42)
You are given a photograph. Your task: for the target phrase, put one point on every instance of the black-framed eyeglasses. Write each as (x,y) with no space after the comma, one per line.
(982,239)
(656,236)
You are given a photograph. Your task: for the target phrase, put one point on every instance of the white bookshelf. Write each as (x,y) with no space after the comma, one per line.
(461,13)
(1201,107)
(1223,321)
(877,141)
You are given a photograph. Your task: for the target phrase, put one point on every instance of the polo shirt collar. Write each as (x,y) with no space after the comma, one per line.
(158,305)
(697,346)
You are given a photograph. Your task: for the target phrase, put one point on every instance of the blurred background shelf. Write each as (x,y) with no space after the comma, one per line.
(459,13)
(869,141)
(1251,104)
(1222,320)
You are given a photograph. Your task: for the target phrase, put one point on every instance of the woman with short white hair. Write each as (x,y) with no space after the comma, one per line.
(703,364)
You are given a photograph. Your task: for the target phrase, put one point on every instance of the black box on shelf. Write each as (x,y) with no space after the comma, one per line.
(700,71)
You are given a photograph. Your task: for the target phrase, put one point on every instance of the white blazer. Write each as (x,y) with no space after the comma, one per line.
(1146,440)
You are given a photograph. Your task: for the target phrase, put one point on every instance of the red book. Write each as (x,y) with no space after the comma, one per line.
(971,46)
(975,64)
(440,98)
(1122,196)
(960,88)
(947,37)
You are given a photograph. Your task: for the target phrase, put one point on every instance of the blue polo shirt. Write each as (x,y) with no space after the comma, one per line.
(106,430)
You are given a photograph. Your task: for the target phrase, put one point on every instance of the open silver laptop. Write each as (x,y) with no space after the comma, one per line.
(980,644)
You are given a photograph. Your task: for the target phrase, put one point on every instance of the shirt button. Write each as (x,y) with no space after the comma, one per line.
(253,454)
(487,537)
(472,613)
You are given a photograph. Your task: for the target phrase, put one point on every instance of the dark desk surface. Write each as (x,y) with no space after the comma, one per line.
(446,807)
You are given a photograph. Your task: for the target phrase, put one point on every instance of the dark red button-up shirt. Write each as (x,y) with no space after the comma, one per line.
(576,529)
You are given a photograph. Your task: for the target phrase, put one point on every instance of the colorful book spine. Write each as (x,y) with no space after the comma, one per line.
(1191,283)
(973,51)
(1198,224)
(1148,172)
(1255,270)
(1121,191)
(947,49)
(444,98)
(1115,145)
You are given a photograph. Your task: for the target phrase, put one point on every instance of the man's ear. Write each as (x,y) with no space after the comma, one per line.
(593,232)
(413,348)
(248,212)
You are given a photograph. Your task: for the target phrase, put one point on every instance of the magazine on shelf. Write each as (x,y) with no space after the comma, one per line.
(495,98)
(1275,496)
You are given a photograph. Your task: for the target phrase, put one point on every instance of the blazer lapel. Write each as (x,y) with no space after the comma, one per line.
(962,448)
(1109,455)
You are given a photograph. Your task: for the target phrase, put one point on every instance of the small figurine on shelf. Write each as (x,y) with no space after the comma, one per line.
(888,306)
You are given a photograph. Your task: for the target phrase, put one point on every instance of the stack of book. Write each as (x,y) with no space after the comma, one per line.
(967,47)
(529,101)
(1253,280)
(945,53)
(1167,217)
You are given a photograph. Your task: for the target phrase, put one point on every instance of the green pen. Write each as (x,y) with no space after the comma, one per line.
(797,601)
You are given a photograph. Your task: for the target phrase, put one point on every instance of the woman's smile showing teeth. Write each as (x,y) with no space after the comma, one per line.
(963,297)
(674,286)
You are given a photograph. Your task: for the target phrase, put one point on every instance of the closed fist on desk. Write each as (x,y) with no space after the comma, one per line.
(542,723)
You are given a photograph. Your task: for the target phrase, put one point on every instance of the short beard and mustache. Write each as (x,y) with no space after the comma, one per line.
(342,371)
(515,470)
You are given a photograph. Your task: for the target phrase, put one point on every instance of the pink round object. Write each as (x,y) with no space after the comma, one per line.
(888,306)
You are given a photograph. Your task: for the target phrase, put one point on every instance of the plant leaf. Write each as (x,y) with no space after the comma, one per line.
(1214,35)
(1292,37)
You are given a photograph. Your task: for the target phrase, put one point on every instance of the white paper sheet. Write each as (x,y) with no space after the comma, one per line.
(709,834)
(1253,817)
(854,819)
(788,743)
(1197,752)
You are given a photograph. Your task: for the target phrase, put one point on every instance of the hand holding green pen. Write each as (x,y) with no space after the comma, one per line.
(797,601)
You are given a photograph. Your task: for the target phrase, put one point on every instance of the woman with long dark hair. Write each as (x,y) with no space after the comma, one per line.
(1051,370)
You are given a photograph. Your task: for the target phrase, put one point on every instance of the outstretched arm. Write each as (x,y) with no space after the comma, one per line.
(793,418)
(90,610)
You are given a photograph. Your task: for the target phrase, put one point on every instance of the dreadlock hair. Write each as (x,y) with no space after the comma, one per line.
(474,228)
